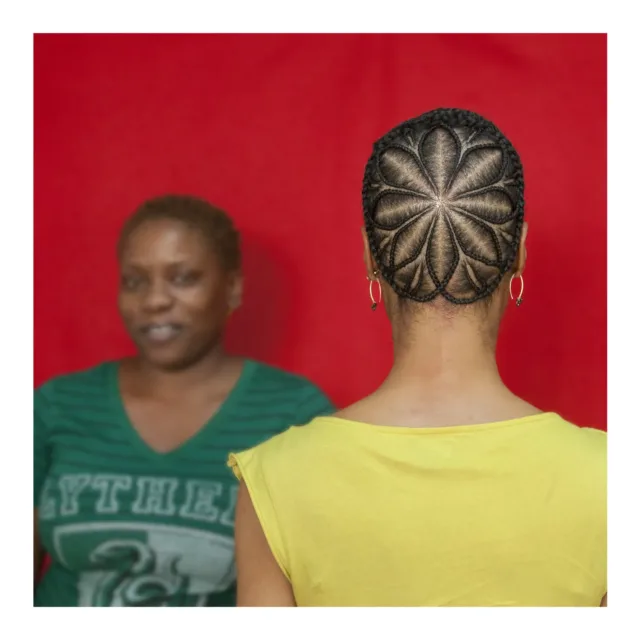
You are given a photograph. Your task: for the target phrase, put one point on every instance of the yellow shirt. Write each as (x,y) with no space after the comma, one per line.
(505,514)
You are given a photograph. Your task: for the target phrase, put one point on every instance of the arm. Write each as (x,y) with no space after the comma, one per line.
(261,582)
(37,550)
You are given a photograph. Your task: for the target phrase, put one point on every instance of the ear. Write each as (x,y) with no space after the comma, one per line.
(236,290)
(521,258)
(369,262)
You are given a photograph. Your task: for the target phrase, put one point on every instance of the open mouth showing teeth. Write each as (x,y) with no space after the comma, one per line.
(161,332)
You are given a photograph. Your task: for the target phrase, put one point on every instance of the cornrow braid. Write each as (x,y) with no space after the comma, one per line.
(443,199)
(214,224)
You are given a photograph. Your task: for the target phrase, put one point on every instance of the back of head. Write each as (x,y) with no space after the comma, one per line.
(443,199)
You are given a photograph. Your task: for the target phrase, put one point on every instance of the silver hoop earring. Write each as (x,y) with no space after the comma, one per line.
(375,302)
(519,298)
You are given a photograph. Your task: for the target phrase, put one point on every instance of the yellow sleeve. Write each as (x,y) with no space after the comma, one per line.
(251,467)
(596,446)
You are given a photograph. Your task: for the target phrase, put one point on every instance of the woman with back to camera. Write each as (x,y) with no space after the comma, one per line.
(441,488)
(133,499)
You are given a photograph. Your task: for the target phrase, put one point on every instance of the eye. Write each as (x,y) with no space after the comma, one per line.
(131,283)
(185,278)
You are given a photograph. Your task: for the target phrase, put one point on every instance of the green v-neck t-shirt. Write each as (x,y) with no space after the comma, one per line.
(127,526)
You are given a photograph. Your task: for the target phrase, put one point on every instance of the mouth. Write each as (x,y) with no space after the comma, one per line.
(161,333)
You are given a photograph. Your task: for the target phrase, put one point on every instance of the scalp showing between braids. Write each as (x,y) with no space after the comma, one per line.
(213,223)
(443,199)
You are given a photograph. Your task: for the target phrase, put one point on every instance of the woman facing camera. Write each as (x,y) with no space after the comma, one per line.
(441,488)
(133,499)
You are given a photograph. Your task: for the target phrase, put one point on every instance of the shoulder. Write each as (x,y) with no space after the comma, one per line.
(89,377)
(592,443)
(590,451)
(578,455)
(585,442)
(301,397)
(285,454)
(82,384)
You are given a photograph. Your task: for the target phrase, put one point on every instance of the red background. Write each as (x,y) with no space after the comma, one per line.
(276,129)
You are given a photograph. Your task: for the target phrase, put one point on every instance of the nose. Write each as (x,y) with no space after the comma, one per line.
(157,297)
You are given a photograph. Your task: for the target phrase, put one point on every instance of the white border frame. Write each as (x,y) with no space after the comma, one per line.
(186,16)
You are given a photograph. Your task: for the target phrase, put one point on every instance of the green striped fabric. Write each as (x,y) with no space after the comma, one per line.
(126,526)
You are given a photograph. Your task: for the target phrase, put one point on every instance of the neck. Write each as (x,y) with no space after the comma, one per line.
(439,358)
(166,382)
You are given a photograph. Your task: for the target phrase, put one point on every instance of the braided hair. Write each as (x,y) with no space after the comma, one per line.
(213,223)
(443,199)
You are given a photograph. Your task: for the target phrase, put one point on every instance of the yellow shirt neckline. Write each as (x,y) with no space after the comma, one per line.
(538,417)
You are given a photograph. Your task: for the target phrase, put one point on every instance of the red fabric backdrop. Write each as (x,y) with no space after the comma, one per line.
(276,129)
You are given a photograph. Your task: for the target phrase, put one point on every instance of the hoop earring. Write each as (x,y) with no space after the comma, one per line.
(375,303)
(519,298)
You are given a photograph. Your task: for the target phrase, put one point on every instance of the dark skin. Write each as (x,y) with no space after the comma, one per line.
(170,276)
(173,282)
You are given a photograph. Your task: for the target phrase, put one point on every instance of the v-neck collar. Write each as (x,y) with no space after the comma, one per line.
(117,402)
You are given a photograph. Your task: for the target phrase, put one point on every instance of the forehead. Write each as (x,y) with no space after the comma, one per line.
(166,240)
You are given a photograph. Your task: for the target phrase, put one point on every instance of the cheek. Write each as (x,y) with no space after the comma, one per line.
(203,302)
(126,306)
